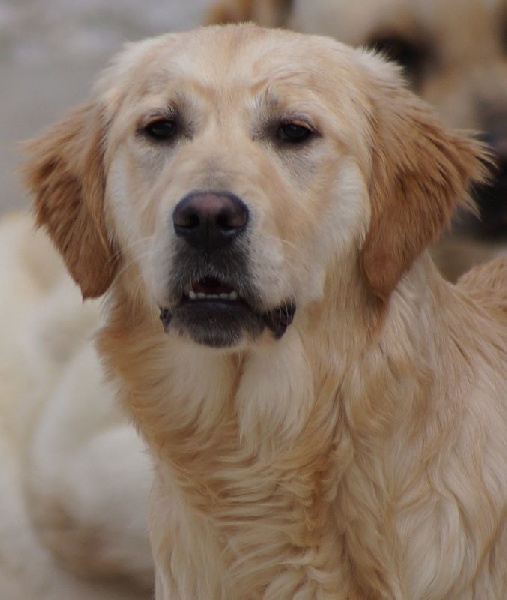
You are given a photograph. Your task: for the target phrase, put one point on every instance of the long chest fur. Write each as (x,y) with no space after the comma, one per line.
(255,510)
(293,493)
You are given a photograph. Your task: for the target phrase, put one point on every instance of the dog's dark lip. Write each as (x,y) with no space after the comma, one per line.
(279,319)
(206,297)
(210,297)
(166,318)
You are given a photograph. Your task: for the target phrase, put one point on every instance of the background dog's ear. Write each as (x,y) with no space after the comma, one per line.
(420,172)
(269,13)
(65,173)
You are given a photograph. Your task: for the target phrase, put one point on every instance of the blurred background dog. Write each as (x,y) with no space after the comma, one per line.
(453,53)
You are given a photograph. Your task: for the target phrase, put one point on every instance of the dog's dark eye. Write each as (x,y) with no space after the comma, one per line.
(294,133)
(161,129)
(407,53)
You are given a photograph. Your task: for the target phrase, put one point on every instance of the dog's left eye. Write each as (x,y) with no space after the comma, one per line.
(161,129)
(294,133)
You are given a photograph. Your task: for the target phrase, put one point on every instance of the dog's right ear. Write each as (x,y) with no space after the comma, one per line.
(421,171)
(268,13)
(65,172)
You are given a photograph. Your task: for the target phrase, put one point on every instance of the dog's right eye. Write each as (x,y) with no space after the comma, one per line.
(294,133)
(161,129)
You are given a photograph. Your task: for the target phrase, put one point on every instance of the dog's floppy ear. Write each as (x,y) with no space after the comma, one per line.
(65,172)
(420,172)
(269,13)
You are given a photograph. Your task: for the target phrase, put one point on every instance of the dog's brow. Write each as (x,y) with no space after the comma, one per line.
(268,98)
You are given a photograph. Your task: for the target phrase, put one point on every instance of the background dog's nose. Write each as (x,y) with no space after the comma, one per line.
(210,220)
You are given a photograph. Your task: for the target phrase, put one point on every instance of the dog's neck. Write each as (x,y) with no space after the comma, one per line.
(252,436)
(271,392)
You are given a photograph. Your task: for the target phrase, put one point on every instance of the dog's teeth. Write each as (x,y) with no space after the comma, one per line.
(204,296)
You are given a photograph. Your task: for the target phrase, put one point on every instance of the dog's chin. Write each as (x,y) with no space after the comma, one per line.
(219,323)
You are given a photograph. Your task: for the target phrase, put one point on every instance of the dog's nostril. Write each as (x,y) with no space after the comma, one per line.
(229,220)
(187,218)
(210,219)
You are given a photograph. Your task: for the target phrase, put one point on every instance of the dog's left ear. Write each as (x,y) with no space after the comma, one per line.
(65,173)
(421,171)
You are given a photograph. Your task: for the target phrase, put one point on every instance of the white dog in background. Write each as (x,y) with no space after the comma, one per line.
(73,474)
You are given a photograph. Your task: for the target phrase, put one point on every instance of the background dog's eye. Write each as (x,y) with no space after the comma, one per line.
(503,25)
(407,53)
(294,133)
(161,129)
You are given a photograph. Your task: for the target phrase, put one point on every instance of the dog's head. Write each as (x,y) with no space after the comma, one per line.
(233,176)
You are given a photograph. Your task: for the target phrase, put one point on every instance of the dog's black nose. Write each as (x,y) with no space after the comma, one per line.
(210,220)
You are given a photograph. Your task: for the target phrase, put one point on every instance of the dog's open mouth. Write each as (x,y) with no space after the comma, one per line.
(210,289)
(215,313)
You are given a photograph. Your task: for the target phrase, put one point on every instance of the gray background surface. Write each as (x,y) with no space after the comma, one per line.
(50,54)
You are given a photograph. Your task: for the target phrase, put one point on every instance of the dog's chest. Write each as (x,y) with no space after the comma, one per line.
(246,528)
(229,519)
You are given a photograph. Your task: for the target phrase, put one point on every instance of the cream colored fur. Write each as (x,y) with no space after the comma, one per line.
(73,475)
(361,456)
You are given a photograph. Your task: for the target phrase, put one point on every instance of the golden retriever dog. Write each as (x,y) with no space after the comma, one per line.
(326,414)
(453,54)
(73,474)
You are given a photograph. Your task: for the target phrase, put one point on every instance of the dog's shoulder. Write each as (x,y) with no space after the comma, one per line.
(487,283)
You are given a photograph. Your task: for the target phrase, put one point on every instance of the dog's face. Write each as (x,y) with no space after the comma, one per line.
(233,176)
(219,166)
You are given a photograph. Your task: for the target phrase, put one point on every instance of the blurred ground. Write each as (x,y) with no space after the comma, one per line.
(50,53)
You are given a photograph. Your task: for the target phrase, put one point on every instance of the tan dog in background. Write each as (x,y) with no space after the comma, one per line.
(454,55)
(325,413)
(74,477)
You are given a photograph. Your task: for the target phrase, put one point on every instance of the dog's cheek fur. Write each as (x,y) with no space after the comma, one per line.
(65,173)
(420,173)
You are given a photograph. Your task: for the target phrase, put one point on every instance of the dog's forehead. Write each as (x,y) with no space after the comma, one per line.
(233,57)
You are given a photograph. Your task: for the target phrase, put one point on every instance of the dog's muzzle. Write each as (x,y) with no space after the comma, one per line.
(213,297)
